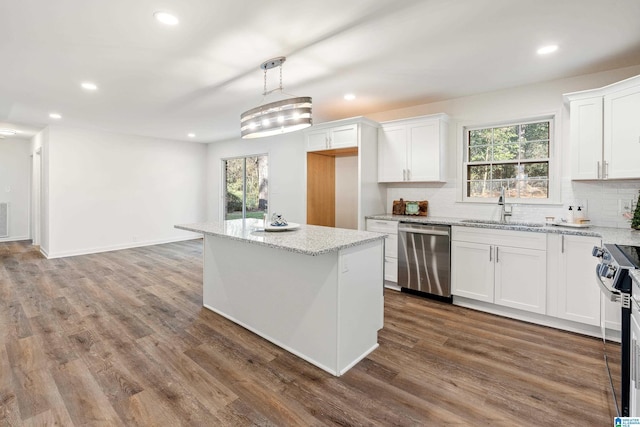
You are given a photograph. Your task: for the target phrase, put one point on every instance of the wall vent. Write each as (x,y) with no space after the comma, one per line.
(4,219)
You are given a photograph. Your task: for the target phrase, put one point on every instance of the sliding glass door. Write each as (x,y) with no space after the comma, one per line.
(246,183)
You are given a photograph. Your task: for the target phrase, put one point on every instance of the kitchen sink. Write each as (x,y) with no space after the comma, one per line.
(494,222)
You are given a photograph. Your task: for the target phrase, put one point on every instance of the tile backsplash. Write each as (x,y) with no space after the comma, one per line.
(604,202)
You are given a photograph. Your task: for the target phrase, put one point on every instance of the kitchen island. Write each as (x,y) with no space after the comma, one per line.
(317,292)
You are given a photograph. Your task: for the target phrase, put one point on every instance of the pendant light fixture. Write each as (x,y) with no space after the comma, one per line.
(276,117)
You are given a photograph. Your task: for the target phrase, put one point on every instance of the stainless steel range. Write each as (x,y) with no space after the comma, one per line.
(612,273)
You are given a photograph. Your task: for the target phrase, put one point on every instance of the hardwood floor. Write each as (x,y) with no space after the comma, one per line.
(120,338)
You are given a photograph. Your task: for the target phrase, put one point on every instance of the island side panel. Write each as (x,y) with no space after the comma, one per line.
(360,303)
(287,298)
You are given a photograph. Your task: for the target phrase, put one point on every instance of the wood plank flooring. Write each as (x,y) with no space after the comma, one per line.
(121,338)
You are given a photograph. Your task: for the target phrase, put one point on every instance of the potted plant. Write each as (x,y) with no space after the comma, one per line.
(635,221)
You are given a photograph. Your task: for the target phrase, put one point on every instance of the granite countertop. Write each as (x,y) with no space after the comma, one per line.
(307,239)
(620,236)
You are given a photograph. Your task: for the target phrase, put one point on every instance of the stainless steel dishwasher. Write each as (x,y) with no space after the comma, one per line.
(424,260)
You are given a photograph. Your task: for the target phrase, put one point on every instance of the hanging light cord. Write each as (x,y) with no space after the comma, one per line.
(265,93)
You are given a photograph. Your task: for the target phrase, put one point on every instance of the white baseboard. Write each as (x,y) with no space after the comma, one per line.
(96,250)
(14,239)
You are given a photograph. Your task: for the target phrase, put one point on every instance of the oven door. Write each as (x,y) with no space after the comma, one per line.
(610,320)
(615,325)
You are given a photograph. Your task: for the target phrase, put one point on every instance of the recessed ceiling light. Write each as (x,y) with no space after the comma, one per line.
(166,18)
(191,135)
(8,132)
(89,86)
(350,97)
(55,116)
(547,49)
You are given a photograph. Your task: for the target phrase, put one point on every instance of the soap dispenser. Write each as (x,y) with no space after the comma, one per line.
(570,214)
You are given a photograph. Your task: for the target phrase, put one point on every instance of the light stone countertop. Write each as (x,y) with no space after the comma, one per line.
(620,236)
(307,239)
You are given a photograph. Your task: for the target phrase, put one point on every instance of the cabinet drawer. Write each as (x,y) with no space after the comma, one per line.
(382,226)
(490,236)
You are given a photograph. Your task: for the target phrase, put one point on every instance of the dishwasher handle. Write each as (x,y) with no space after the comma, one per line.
(427,231)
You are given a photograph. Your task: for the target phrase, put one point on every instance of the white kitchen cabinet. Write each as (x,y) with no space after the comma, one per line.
(347,170)
(472,270)
(502,267)
(605,131)
(332,137)
(521,278)
(572,278)
(622,133)
(586,138)
(390,228)
(413,149)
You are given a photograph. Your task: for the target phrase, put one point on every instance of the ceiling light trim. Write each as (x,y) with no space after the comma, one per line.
(166,18)
(545,50)
(90,86)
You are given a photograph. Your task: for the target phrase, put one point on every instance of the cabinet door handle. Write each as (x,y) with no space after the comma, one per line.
(598,169)
(404,174)
(497,256)
(605,172)
(490,250)
(408,174)
(328,140)
(562,243)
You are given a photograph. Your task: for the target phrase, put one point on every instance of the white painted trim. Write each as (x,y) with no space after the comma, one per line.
(538,319)
(14,239)
(96,250)
(555,161)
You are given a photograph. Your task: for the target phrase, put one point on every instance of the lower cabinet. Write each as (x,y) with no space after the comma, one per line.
(472,270)
(521,278)
(573,278)
(390,246)
(502,267)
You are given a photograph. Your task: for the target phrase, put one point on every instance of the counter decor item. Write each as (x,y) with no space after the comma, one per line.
(414,208)
(279,223)
(635,221)
(398,207)
(277,220)
(411,208)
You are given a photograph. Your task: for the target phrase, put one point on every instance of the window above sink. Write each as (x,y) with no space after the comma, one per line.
(518,155)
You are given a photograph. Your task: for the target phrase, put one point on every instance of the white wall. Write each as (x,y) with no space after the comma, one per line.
(287,180)
(521,102)
(347,192)
(14,185)
(109,191)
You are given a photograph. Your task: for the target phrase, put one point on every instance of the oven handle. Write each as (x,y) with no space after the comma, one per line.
(609,293)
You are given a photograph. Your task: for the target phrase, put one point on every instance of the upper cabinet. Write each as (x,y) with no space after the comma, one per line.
(413,149)
(605,131)
(342,178)
(332,137)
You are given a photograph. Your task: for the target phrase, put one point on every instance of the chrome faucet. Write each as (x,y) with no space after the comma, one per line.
(504,213)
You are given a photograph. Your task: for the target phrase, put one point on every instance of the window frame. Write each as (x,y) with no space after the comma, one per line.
(553,167)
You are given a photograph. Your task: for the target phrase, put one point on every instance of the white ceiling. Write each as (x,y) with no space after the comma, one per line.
(200,75)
